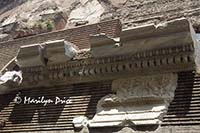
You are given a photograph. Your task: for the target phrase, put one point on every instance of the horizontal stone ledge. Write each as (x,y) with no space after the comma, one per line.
(34,80)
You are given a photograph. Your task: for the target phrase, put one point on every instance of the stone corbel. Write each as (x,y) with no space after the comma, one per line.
(46,53)
(31,55)
(141,100)
(60,51)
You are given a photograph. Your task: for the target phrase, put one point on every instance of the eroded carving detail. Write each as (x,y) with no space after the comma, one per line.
(9,80)
(139,101)
(157,86)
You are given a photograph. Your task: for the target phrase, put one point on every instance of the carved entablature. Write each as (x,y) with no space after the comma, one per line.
(140,51)
(142,62)
(145,50)
(109,68)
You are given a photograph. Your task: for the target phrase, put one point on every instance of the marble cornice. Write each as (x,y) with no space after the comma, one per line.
(166,60)
(159,53)
(168,47)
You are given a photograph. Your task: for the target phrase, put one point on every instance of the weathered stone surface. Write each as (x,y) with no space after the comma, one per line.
(87,12)
(34,17)
(47,53)
(59,51)
(10,80)
(170,129)
(196,49)
(5,37)
(141,87)
(138,101)
(158,52)
(80,122)
(118,3)
(126,130)
(148,37)
(101,39)
(35,14)
(35,55)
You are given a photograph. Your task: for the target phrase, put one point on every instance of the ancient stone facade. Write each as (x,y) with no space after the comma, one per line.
(128,81)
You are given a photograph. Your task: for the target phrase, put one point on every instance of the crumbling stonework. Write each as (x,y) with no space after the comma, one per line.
(38,16)
(140,66)
(141,100)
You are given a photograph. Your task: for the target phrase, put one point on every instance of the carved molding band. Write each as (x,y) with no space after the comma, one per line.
(163,60)
(173,52)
